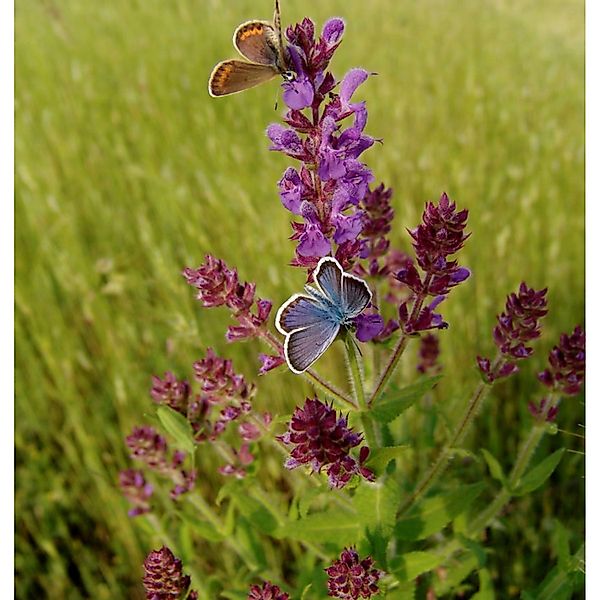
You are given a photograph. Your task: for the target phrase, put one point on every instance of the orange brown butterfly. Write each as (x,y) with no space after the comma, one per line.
(261,43)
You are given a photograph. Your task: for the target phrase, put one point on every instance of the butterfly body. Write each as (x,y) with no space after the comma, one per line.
(312,321)
(261,44)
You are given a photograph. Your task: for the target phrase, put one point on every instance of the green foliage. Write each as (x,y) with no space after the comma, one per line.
(537,476)
(433,514)
(395,400)
(176,425)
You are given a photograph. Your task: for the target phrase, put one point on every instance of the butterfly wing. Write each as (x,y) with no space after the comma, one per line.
(300,312)
(258,42)
(304,346)
(231,76)
(356,296)
(328,278)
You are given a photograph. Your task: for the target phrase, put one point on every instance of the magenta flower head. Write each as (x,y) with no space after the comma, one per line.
(136,490)
(323,440)
(567,364)
(163,576)
(148,446)
(171,391)
(267,591)
(351,578)
(518,325)
(440,235)
(218,285)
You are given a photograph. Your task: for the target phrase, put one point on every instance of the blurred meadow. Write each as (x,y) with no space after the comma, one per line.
(127,171)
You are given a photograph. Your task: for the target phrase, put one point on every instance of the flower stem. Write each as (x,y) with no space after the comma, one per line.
(390,368)
(312,376)
(356,379)
(438,467)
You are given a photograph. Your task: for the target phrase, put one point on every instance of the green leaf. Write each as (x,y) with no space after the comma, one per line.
(178,427)
(405,591)
(257,514)
(329,526)
(204,529)
(486,588)
(457,571)
(376,504)
(396,400)
(381,457)
(409,566)
(433,514)
(538,475)
(305,592)
(494,466)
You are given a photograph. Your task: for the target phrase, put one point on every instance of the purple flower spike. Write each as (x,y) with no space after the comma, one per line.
(136,490)
(218,285)
(267,591)
(163,576)
(543,412)
(323,440)
(516,327)
(171,391)
(331,182)
(368,326)
(269,362)
(567,364)
(148,446)
(351,578)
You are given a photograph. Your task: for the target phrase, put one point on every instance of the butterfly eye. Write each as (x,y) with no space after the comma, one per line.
(289,76)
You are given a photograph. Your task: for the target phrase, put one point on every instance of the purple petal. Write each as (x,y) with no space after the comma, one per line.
(313,242)
(290,190)
(333,31)
(351,81)
(347,228)
(368,326)
(298,94)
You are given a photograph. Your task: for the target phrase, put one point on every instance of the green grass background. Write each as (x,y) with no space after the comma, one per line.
(126,171)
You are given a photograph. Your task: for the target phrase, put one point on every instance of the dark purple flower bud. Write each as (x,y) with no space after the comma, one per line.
(368,326)
(323,440)
(267,591)
(149,447)
(542,412)
(517,325)
(163,576)
(136,490)
(333,30)
(269,362)
(351,578)
(171,391)
(429,352)
(567,364)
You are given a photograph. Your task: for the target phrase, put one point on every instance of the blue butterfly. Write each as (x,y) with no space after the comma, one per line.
(310,322)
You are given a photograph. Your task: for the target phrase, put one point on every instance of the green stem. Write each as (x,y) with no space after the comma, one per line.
(390,368)
(356,379)
(441,462)
(311,375)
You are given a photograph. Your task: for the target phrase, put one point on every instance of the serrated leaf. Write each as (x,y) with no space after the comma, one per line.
(376,504)
(330,526)
(494,466)
(409,566)
(396,400)
(178,427)
(538,475)
(376,544)
(433,514)
(381,457)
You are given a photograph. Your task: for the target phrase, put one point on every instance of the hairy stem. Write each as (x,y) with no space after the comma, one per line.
(438,467)
(353,361)
(392,363)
